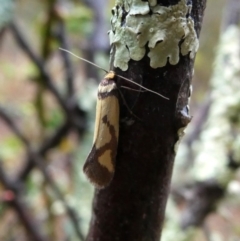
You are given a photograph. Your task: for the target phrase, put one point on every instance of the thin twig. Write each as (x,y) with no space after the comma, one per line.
(47,35)
(51,142)
(71,212)
(74,116)
(38,62)
(66,59)
(37,159)
(26,218)
(11,124)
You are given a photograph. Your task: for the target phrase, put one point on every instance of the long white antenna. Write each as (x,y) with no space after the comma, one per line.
(65,50)
(143,87)
(84,59)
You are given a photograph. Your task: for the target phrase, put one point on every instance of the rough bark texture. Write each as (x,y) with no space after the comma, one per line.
(132,207)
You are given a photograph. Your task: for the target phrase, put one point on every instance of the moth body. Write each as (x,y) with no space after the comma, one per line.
(100,163)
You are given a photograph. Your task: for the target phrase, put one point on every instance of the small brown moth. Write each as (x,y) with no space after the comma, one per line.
(100,163)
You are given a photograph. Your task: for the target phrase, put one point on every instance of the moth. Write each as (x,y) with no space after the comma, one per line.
(99,166)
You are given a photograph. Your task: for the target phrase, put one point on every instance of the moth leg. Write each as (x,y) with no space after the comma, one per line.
(125,103)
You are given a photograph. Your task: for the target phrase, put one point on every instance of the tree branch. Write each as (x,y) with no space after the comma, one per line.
(49,143)
(45,76)
(35,158)
(20,207)
(61,35)
(132,207)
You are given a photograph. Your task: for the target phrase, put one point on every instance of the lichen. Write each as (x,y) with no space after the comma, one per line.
(181,133)
(139,7)
(166,31)
(152,3)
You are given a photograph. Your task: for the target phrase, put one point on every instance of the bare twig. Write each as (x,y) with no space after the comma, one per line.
(47,144)
(50,21)
(66,59)
(71,212)
(38,62)
(11,124)
(98,41)
(36,158)
(51,142)
(75,117)
(26,218)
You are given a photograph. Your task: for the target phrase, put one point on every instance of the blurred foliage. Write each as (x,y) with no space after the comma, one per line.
(6,11)
(10,145)
(205,57)
(79,21)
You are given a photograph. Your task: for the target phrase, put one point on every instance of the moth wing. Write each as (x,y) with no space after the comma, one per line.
(100,163)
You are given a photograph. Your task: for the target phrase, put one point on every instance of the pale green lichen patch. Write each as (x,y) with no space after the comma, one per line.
(139,7)
(152,3)
(181,133)
(161,30)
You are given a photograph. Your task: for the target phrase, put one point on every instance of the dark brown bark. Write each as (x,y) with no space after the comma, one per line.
(133,206)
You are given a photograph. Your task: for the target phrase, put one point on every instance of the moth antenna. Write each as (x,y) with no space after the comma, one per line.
(125,87)
(85,60)
(65,50)
(142,87)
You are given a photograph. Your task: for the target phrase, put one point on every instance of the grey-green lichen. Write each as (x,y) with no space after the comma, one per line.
(181,133)
(166,31)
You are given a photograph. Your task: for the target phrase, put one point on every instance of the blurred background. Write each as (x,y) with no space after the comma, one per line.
(47,109)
